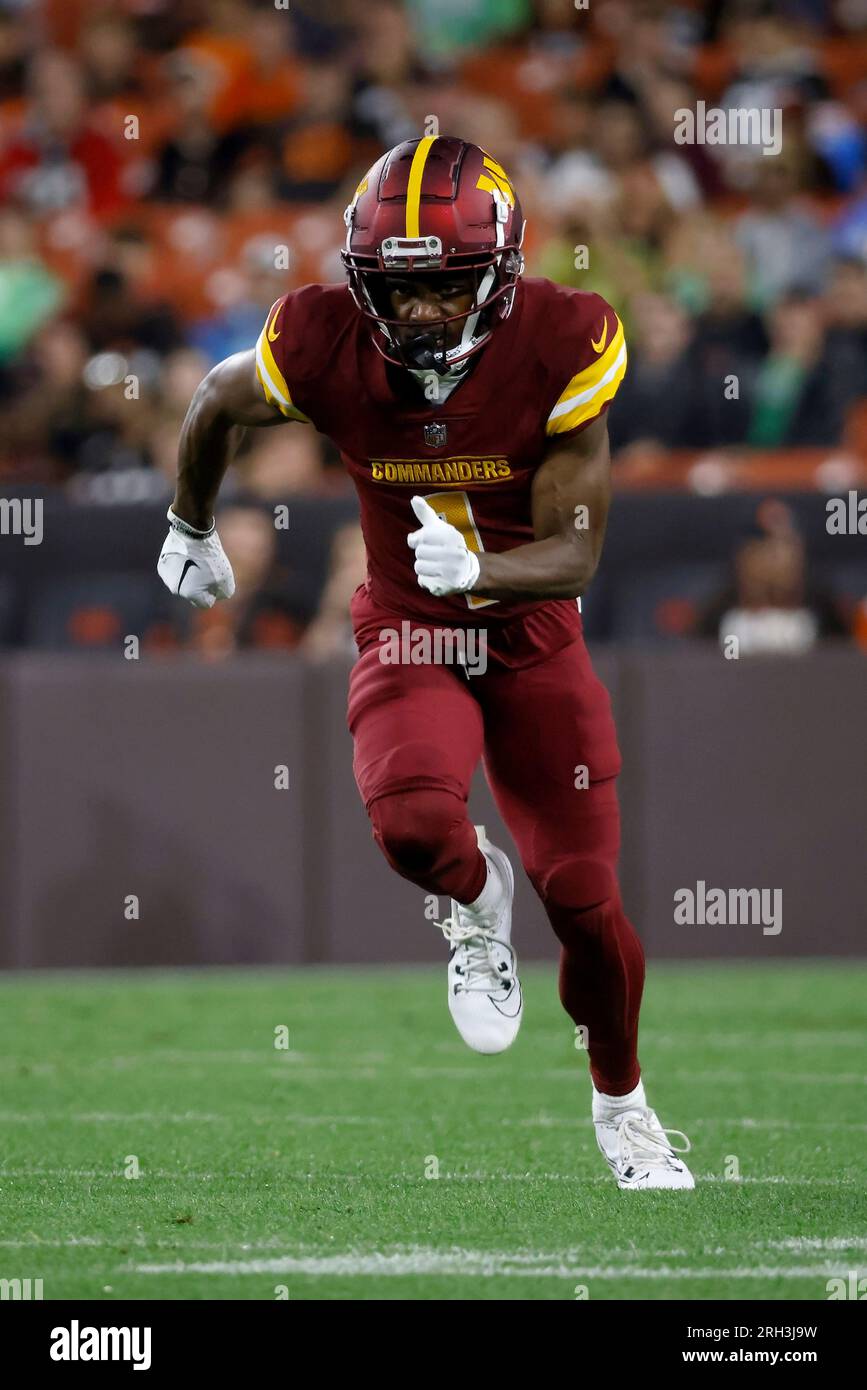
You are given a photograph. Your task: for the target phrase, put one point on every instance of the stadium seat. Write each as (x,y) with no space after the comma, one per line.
(95,610)
(660,605)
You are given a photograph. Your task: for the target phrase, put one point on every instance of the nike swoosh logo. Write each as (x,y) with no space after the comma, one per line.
(597,347)
(272,337)
(190,564)
(515,1008)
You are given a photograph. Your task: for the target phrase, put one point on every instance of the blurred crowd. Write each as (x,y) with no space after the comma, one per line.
(168,168)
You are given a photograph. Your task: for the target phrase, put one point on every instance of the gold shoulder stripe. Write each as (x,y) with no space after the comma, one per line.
(270,377)
(591,388)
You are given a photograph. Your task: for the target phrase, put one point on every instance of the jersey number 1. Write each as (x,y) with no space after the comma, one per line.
(454,507)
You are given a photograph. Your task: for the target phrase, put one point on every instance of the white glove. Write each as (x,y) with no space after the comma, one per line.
(194,564)
(443,563)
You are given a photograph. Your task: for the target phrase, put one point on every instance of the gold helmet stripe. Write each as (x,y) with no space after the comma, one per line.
(413,188)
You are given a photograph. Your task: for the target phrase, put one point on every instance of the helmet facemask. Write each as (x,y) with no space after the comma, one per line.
(427,347)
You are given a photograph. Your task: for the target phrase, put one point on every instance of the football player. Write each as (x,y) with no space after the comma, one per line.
(468,405)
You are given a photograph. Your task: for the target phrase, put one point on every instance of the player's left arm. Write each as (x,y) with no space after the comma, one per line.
(570,498)
(571,489)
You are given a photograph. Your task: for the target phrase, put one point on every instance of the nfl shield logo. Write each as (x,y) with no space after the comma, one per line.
(435,435)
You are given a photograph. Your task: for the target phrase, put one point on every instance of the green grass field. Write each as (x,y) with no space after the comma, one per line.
(305,1167)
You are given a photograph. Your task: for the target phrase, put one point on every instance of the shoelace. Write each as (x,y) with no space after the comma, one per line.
(480,972)
(641,1143)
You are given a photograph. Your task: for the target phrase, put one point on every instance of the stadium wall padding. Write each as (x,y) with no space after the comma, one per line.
(156,778)
(659,548)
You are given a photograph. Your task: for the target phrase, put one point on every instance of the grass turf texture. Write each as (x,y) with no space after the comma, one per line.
(306,1167)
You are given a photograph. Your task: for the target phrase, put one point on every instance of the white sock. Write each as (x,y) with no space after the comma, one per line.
(492,892)
(605,1107)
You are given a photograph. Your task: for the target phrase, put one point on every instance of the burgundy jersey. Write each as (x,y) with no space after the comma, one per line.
(549,369)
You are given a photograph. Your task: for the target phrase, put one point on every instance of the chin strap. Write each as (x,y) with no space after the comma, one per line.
(467,337)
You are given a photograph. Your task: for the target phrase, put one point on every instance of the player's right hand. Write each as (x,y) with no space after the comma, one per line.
(194,564)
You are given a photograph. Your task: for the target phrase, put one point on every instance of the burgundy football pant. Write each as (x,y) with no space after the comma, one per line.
(419,732)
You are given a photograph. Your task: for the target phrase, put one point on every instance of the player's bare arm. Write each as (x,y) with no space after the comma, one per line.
(570,499)
(569,505)
(192,561)
(227,400)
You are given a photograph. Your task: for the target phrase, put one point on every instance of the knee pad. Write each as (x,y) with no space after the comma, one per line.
(412,828)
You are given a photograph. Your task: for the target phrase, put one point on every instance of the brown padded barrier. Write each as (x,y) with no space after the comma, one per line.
(156,778)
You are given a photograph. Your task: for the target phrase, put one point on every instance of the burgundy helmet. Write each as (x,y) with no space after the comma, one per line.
(427,207)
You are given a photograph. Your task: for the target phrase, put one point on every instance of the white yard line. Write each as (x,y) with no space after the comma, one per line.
(36,1243)
(111,1117)
(803,1244)
(726,1122)
(725,1076)
(473,1264)
(297,1066)
(793,1037)
(258,1056)
(572,1074)
(315,1072)
(618,1259)
(108,1174)
(755,1122)
(794,1078)
(784,1180)
(278,1116)
(324,1177)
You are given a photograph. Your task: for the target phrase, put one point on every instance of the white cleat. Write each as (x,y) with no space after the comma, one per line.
(639,1152)
(485,998)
